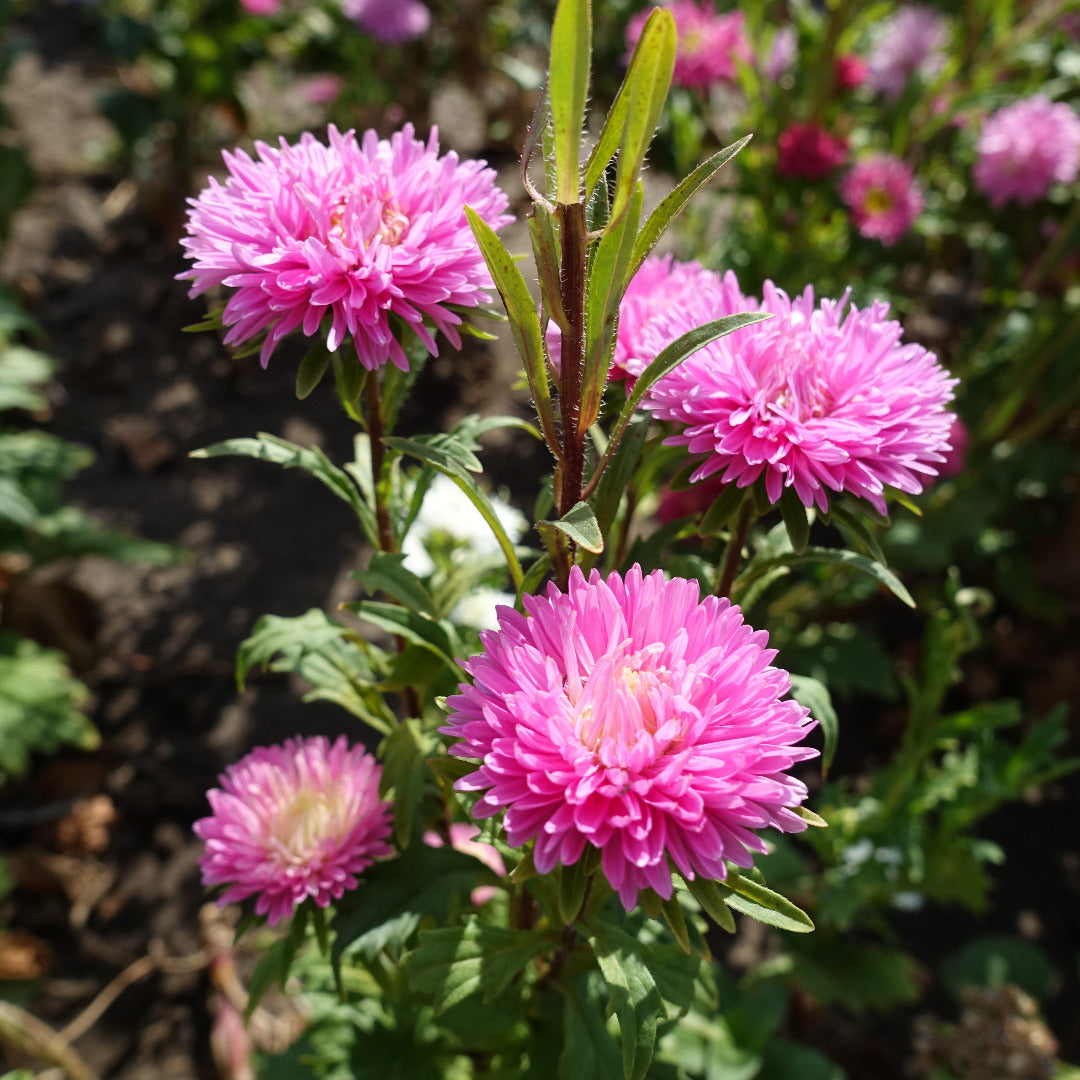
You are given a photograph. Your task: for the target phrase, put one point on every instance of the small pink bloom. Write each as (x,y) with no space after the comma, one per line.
(695,500)
(294,821)
(883,197)
(322,89)
(956,452)
(782,53)
(389,21)
(463,838)
(810,151)
(849,71)
(631,716)
(816,398)
(347,234)
(1025,147)
(709,44)
(261,7)
(911,42)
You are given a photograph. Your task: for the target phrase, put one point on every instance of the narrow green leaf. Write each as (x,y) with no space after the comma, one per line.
(451,768)
(649,78)
(403,754)
(311,370)
(277,959)
(676,920)
(617,476)
(581,526)
(387,573)
(588,1052)
(568,89)
(795,518)
(535,576)
(814,695)
(761,903)
(856,529)
(815,821)
(724,507)
(349,375)
(711,899)
(412,626)
(524,319)
(675,201)
(633,998)
(547,256)
(572,882)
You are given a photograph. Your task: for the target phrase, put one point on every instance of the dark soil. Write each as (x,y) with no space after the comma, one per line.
(94,260)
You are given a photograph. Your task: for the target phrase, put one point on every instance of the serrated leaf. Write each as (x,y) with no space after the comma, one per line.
(453,964)
(633,996)
(387,573)
(761,903)
(438,637)
(814,695)
(568,89)
(580,525)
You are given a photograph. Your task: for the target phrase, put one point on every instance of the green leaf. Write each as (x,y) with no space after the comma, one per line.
(649,77)
(589,1051)
(311,370)
(633,996)
(674,202)
(795,518)
(997,959)
(761,903)
(546,255)
(814,695)
(523,316)
(453,461)
(619,473)
(580,525)
(437,637)
(349,375)
(272,968)
(386,573)
(568,88)
(454,964)
(724,507)
(784,1060)
(713,902)
(403,753)
(859,977)
(572,883)
(451,768)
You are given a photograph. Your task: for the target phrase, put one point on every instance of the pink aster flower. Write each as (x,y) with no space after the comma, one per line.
(822,397)
(389,21)
(348,234)
(849,71)
(294,821)
(810,151)
(709,43)
(782,53)
(911,41)
(883,197)
(660,283)
(261,7)
(634,717)
(1025,147)
(956,454)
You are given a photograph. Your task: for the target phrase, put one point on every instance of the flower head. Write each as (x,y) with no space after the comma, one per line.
(782,53)
(350,233)
(809,150)
(822,397)
(389,21)
(634,717)
(294,821)
(849,71)
(911,41)
(883,197)
(709,43)
(1025,147)
(956,455)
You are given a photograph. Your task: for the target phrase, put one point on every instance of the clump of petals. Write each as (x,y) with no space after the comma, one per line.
(808,150)
(1025,147)
(389,21)
(910,42)
(849,71)
(631,716)
(348,234)
(883,197)
(709,46)
(823,397)
(294,821)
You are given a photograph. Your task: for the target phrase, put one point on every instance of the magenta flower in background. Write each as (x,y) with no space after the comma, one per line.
(348,234)
(323,88)
(463,836)
(956,455)
(1025,147)
(883,197)
(912,41)
(808,150)
(849,71)
(261,7)
(815,399)
(389,21)
(294,821)
(709,43)
(631,716)
(782,53)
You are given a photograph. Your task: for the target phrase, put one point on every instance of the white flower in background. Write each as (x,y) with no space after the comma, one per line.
(447,514)
(478,608)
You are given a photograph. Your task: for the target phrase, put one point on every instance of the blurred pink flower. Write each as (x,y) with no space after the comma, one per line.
(631,716)
(350,234)
(322,89)
(294,821)
(815,399)
(883,197)
(661,282)
(782,53)
(1025,147)
(808,150)
(911,41)
(956,452)
(463,836)
(261,7)
(849,71)
(389,21)
(696,499)
(709,43)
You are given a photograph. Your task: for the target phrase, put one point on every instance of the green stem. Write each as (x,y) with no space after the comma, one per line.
(733,554)
(376,430)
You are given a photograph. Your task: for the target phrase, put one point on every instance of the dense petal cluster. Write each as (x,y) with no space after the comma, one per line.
(353,233)
(822,397)
(808,150)
(1025,147)
(883,197)
(782,53)
(710,44)
(911,41)
(849,71)
(294,821)
(631,716)
(391,21)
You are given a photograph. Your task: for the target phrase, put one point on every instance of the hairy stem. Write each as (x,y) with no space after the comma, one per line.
(733,554)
